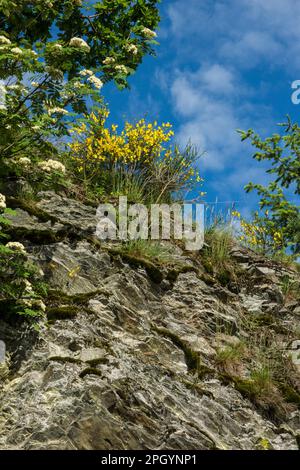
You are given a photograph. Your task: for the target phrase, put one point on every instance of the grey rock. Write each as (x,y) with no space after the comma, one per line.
(92,355)
(253,303)
(121,373)
(26,224)
(296,311)
(68,211)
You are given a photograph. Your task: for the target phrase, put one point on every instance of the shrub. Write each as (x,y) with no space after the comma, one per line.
(138,160)
(18,295)
(49,74)
(152,250)
(231,354)
(278,227)
(219,241)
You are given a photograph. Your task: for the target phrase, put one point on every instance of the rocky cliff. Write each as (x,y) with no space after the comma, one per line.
(136,355)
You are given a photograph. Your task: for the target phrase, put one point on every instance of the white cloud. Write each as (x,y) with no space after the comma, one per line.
(249,31)
(209,120)
(252,48)
(214,44)
(217,78)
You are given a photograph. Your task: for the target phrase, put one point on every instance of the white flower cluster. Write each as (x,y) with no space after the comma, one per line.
(25,162)
(16,86)
(4,40)
(91,78)
(16,246)
(95,81)
(77,85)
(57,110)
(86,73)
(121,69)
(109,61)
(52,165)
(132,49)
(3,92)
(16,50)
(5,43)
(148,33)
(2,201)
(28,290)
(78,42)
(33,303)
(28,297)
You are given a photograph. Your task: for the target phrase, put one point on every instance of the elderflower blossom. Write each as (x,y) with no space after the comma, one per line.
(148,33)
(86,72)
(16,246)
(109,61)
(132,48)
(78,42)
(52,165)
(16,50)
(57,110)
(121,69)
(77,85)
(2,201)
(4,40)
(15,87)
(95,81)
(24,161)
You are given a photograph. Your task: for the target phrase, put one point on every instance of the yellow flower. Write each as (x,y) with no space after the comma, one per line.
(236,214)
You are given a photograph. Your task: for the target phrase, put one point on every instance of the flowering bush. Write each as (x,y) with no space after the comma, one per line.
(260,234)
(39,175)
(2,201)
(45,84)
(18,296)
(279,227)
(140,151)
(52,165)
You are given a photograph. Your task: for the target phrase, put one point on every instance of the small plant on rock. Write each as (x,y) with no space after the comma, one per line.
(18,295)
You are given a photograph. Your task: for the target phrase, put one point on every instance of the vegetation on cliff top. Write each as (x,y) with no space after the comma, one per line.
(53,65)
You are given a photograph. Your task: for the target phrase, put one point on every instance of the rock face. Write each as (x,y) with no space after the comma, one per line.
(124,362)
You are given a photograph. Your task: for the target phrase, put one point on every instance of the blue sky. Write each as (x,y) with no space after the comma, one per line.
(221,65)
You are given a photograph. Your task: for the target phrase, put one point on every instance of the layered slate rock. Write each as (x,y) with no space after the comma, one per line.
(123,362)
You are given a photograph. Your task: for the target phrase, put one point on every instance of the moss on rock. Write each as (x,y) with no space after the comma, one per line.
(62,313)
(90,371)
